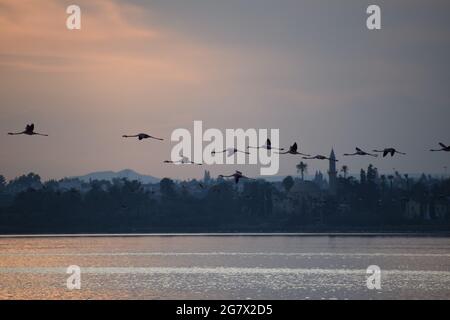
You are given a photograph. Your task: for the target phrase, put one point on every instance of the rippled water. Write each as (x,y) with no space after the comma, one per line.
(225,267)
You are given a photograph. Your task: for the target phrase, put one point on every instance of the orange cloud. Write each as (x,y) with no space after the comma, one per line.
(34,37)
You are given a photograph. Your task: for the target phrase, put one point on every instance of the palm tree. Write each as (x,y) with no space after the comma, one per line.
(344,170)
(302,168)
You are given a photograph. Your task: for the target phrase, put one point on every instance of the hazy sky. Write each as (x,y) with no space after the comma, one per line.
(310,68)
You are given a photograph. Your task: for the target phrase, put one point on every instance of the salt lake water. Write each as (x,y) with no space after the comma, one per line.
(225,267)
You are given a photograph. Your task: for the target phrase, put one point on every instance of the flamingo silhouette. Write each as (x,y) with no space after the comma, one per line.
(294,150)
(320,157)
(444,148)
(267,146)
(237,176)
(183,160)
(141,136)
(230,151)
(360,152)
(391,151)
(29,130)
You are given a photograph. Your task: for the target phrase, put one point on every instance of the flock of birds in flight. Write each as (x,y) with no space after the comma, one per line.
(293,150)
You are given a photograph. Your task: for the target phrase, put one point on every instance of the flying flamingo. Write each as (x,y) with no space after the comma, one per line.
(320,157)
(293,150)
(444,148)
(360,152)
(29,130)
(267,146)
(183,160)
(229,151)
(237,175)
(390,151)
(141,136)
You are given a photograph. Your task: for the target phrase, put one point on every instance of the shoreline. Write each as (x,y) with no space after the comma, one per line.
(231,234)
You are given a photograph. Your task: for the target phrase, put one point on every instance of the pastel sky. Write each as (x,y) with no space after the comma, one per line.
(309,68)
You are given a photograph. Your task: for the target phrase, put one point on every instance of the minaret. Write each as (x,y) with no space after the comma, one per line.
(332,174)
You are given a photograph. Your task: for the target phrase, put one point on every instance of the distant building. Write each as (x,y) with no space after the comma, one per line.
(320,181)
(332,174)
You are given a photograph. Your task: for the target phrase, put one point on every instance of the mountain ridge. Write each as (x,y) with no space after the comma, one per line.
(125,173)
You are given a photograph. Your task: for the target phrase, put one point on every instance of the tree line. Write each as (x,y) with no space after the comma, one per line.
(372,202)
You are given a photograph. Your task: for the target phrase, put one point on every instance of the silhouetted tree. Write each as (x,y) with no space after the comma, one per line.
(391,180)
(288,183)
(362,177)
(407,181)
(167,187)
(371,174)
(344,170)
(51,185)
(2,183)
(129,206)
(302,168)
(24,182)
(383,182)
(207,177)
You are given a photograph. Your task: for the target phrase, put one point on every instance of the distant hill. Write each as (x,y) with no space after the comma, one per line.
(127,173)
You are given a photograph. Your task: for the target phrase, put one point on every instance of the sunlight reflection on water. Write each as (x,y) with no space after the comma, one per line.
(225,267)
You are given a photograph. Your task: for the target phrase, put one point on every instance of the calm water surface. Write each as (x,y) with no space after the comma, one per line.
(231,267)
